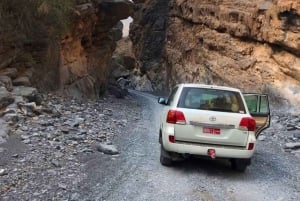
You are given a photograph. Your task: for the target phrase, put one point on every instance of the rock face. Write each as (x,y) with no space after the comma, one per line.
(78,60)
(148,33)
(88,48)
(252,45)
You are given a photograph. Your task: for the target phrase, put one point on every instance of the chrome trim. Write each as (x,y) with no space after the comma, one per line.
(225,126)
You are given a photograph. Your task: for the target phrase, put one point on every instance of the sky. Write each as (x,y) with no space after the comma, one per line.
(126,23)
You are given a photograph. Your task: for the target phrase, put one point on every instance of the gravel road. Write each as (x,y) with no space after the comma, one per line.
(136,173)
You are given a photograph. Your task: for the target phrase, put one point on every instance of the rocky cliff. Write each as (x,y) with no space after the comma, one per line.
(252,45)
(74,57)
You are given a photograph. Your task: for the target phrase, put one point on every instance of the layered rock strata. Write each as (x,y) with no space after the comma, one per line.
(252,45)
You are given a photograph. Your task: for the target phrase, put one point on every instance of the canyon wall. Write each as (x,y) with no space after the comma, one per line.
(75,60)
(252,45)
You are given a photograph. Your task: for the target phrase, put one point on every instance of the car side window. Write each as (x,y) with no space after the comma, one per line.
(264,106)
(171,96)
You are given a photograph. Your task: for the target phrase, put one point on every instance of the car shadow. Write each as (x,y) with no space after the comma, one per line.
(218,167)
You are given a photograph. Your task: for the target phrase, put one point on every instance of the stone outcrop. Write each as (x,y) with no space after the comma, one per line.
(87,49)
(252,45)
(78,61)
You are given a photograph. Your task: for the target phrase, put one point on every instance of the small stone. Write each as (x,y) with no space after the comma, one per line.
(297,135)
(87,150)
(62,186)
(292,145)
(82,132)
(15,156)
(261,138)
(291,128)
(107,149)
(76,122)
(77,138)
(65,130)
(75,197)
(19,132)
(27,141)
(11,118)
(56,163)
(24,137)
(3,172)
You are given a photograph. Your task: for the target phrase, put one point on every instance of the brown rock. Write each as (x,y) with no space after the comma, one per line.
(30,93)
(6,82)
(22,81)
(10,72)
(5,98)
(83,88)
(87,50)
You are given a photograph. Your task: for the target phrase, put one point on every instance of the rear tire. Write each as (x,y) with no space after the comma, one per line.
(240,165)
(165,157)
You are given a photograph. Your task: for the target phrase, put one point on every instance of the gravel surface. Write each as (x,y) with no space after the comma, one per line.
(61,156)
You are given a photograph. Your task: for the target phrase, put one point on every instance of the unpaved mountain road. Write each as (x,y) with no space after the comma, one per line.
(137,175)
(47,158)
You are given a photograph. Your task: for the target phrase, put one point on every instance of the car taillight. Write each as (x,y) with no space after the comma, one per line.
(248,124)
(172,138)
(175,117)
(251,146)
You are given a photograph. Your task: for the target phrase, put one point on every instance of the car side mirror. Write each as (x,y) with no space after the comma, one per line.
(162,101)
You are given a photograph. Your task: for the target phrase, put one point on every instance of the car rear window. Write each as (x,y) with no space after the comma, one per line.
(211,99)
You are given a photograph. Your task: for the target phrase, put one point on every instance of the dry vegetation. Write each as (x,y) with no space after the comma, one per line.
(29,18)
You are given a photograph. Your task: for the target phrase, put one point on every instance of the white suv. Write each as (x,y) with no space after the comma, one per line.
(212,121)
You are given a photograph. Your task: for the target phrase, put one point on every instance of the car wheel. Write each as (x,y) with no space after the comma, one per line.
(165,157)
(240,165)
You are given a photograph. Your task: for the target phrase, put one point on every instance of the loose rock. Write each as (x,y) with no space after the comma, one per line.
(292,145)
(107,149)
(21,81)
(3,172)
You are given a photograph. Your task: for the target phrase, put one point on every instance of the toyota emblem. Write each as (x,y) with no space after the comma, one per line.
(212,118)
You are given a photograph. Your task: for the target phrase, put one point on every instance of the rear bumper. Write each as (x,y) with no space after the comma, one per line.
(202,150)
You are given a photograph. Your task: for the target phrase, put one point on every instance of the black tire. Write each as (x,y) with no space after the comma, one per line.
(160,137)
(165,157)
(240,165)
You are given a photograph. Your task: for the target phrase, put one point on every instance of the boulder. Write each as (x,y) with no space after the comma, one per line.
(142,83)
(84,88)
(3,132)
(5,98)
(124,83)
(118,71)
(22,81)
(10,72)
(292,145)
(30,93)
(6,82)
(129,62)
(107,149)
